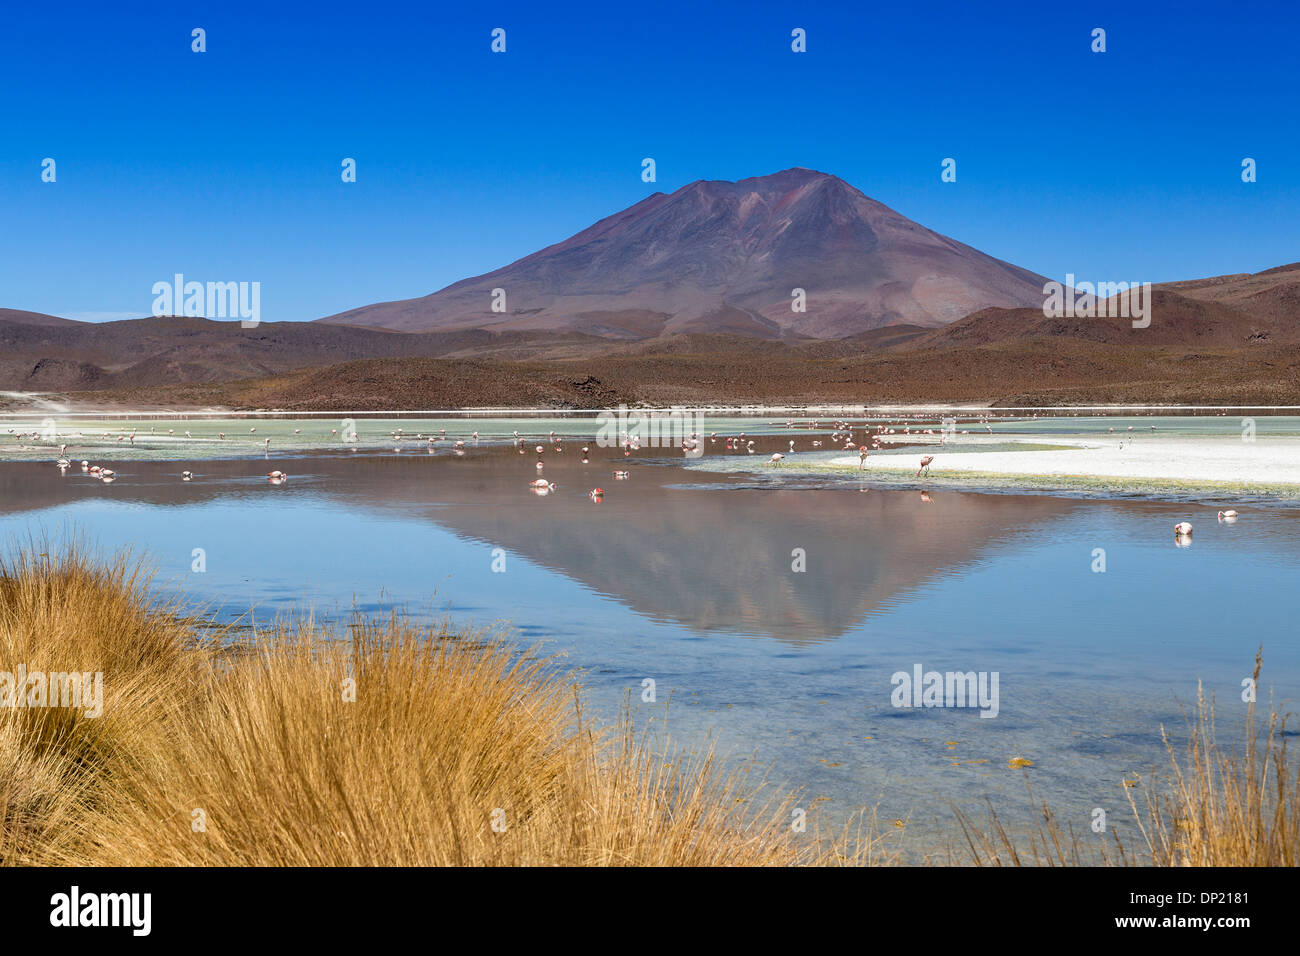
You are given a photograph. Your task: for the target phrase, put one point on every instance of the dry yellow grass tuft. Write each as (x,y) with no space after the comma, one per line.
(404,745)
(1226,808)
(1215,806)
(67,616)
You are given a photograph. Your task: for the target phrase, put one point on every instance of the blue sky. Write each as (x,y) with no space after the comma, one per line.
(225,165)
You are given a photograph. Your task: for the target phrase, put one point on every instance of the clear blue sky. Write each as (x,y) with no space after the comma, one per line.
(225,165)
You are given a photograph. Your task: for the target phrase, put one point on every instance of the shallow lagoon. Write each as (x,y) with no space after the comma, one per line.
(684,575)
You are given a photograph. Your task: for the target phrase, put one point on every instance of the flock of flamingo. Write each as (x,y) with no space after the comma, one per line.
(841,437)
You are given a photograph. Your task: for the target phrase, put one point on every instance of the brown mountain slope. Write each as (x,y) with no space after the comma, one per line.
(138,353)
(1271,296)
(1040,372)
(724,257)
(33,318)
(1177,319)
(1228,340)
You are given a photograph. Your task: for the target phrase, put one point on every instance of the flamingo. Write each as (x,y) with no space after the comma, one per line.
(277,476)
(1228,515)
(596,494)
(620,475)
(925,465)
(862,458)
(542,483)
(1183,529)
(186,475)
(776,459)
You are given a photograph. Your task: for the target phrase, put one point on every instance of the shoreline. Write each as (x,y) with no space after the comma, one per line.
(16,405)
(1143,456)
(1264,470)
(1203,461)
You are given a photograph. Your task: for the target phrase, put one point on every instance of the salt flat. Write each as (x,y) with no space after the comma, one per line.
(1216,460)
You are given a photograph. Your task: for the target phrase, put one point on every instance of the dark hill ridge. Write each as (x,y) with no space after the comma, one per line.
(139,353)
(1234,314)
(34,318)
(718,256)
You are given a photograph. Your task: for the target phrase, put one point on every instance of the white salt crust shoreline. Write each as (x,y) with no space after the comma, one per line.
(1211,461)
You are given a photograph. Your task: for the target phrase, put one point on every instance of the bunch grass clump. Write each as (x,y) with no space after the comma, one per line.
(400,744)
(1214,805)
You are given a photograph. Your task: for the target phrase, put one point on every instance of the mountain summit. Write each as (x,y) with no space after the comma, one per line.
(719,256)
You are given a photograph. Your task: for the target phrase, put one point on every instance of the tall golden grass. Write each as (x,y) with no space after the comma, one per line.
(1226,807)
(1214,805)
(403,745)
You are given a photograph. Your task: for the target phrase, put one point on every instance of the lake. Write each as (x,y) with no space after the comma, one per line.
(770,610)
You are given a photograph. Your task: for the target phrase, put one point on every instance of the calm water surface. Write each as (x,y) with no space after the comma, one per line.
(686,576)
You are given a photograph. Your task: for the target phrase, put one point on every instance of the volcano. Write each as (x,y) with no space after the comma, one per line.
(727,257)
